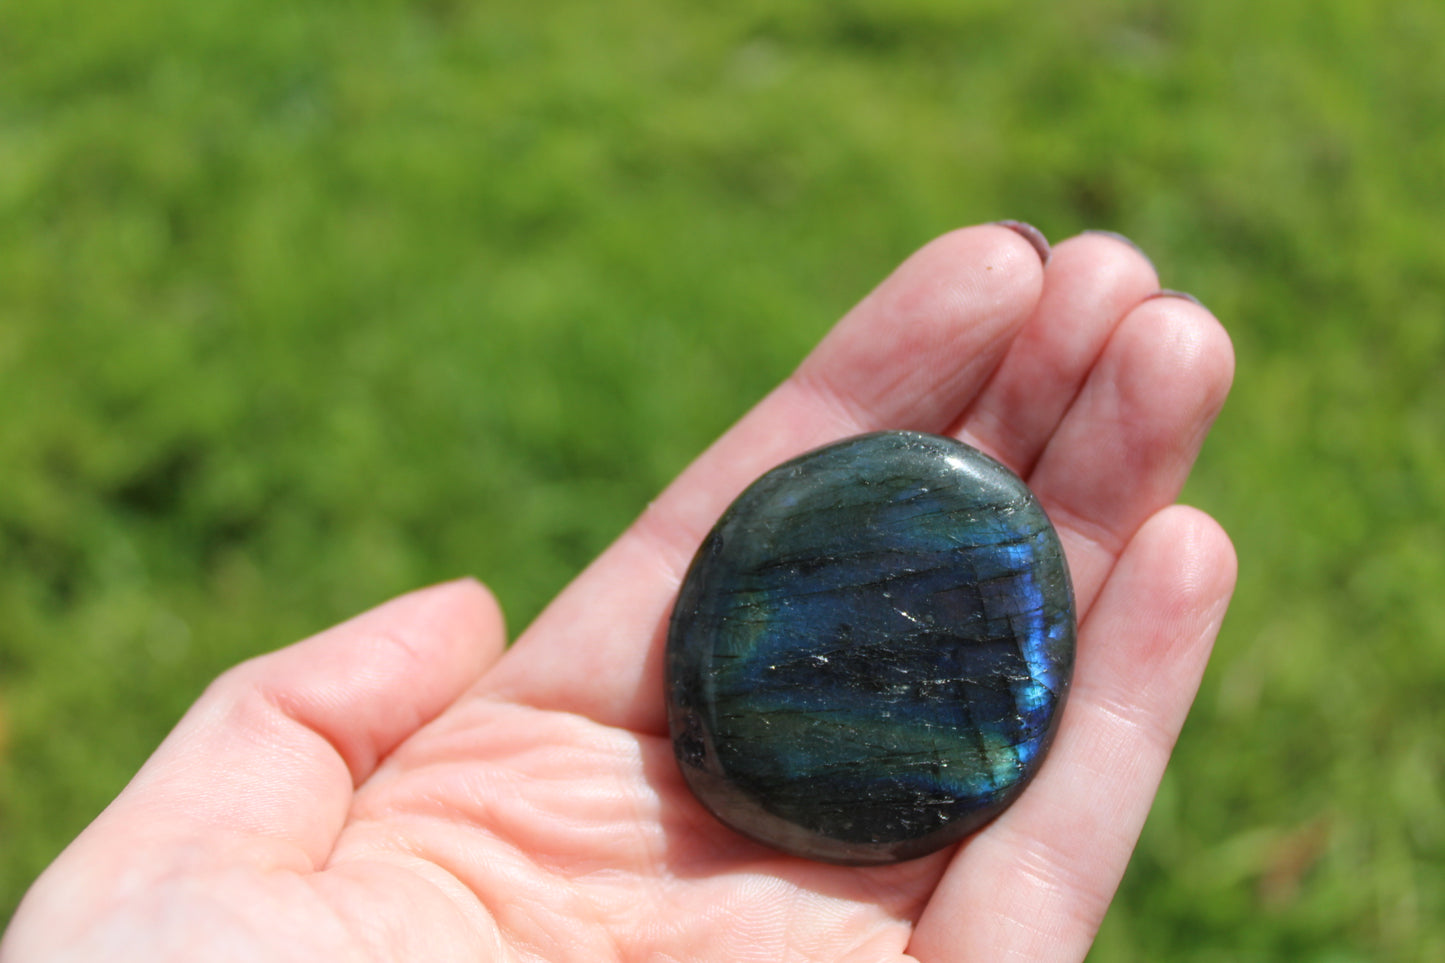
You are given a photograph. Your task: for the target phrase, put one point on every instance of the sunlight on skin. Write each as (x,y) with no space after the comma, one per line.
(398,788)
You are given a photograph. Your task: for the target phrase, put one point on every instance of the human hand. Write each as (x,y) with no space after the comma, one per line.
(399,788)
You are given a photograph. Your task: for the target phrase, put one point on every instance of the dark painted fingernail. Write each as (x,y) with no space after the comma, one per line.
(1124,240)
(1031,234)
(1171,293)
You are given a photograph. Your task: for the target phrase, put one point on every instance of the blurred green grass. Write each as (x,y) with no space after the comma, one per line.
(303,305)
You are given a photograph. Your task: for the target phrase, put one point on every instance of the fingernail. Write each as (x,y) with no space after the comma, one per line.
(1123,240)
(1031,234)
(1171,293)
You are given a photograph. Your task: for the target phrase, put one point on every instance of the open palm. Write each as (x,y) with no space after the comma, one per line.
(400,788)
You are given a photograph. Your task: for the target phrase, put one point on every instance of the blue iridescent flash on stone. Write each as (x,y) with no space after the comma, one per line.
(868,657)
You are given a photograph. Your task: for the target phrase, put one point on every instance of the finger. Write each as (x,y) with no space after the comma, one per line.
(911,355)
(1091,282)
(265,762)
(1125,446)
(1035,884)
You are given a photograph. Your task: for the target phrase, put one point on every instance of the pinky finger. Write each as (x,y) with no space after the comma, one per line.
(1035,884)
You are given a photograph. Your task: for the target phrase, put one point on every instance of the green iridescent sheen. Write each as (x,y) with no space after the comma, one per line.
(869,654)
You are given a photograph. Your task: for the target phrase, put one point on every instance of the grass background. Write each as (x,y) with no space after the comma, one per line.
(305,304)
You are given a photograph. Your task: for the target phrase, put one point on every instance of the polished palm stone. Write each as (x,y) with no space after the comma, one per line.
(868,657)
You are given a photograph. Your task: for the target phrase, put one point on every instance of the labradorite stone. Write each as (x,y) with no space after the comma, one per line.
(868,657)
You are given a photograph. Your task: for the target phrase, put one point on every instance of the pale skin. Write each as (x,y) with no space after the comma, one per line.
(403,787)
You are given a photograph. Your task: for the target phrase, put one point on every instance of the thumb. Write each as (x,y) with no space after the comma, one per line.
(264,764)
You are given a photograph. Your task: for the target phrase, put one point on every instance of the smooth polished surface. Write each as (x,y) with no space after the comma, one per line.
(868,657)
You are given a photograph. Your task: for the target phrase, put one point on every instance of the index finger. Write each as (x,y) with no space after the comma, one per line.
(912,354)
